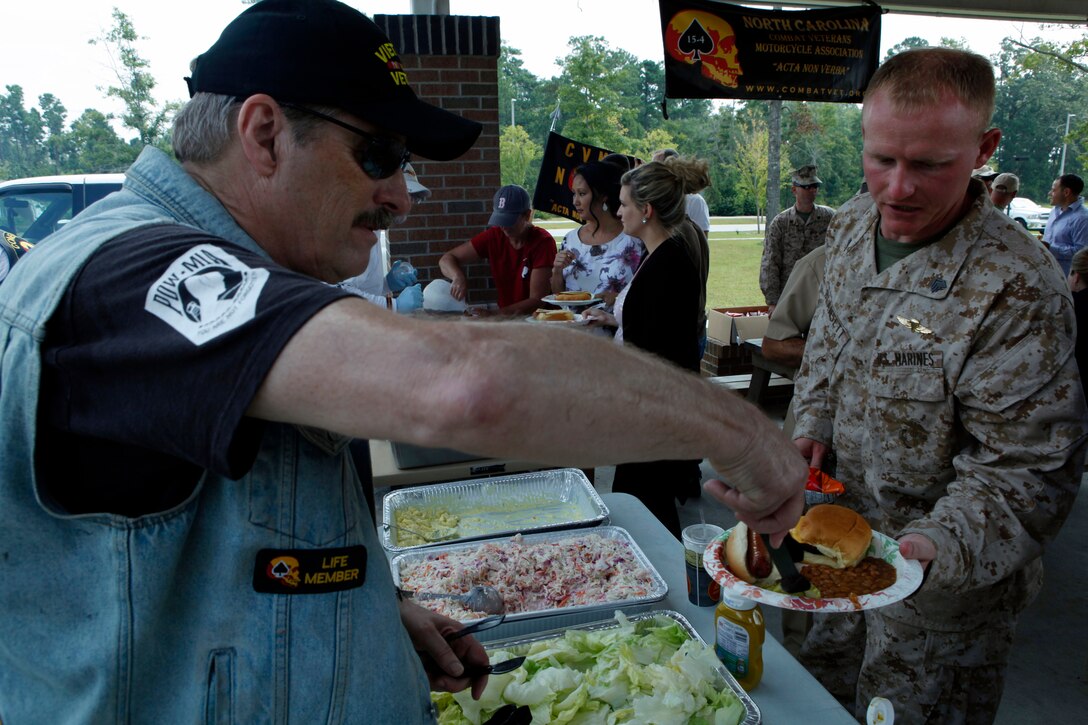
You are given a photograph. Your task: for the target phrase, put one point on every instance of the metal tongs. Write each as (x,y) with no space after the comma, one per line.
(792,581)
(497,668)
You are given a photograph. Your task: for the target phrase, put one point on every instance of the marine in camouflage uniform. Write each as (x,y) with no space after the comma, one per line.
(947,387)
(791,235)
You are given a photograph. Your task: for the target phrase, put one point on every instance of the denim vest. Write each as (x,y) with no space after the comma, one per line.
(107,619)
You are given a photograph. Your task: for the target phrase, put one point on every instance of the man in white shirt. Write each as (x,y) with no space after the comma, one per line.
(377,286)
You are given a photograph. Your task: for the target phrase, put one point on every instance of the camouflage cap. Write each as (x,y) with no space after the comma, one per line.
(1007,182)
(806,176)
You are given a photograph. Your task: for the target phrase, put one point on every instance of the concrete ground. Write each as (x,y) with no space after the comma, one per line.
(1047,679)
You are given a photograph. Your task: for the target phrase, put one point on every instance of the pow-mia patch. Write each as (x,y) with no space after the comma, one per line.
(205,293)
(309,571)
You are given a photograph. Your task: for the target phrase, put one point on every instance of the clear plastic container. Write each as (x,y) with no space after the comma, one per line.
(738,639)
(402,274)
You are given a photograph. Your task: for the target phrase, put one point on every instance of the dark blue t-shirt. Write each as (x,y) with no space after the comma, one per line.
(150,362)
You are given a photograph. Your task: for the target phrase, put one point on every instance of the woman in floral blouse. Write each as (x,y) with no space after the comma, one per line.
(598,257)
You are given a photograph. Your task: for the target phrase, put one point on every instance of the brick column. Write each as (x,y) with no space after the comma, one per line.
(452,62)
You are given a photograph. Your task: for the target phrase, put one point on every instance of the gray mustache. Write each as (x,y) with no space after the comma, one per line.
(377,219)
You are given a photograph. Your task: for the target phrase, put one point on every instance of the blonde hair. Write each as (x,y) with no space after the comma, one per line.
(1080,262)
(920,78)
(665,184)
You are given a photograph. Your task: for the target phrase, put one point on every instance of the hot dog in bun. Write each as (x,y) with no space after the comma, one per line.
(553,315)
(839,534)
(747,557)
(571,296)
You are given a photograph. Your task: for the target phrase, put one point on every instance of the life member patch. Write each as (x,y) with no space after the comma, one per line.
(205,293)
(309,571)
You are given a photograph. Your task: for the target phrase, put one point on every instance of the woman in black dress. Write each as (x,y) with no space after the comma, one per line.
(658,310)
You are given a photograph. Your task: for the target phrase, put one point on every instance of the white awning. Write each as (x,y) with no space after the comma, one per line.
(1038,11)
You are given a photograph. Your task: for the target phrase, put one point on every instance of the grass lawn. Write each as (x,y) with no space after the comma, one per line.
(734,262)
(734,269)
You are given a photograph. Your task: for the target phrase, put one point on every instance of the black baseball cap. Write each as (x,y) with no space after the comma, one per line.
(322,52)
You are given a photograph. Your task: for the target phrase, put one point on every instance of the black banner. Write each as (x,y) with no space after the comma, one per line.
(561,157)
(718,50)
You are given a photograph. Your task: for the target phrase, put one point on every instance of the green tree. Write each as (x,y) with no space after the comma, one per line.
(517,152)
(655,140)
(751,162)
(1036,90)
(135,84)
(907,44)
(517,87)
(95,146)
(591,93)
(22,134)
(827,135)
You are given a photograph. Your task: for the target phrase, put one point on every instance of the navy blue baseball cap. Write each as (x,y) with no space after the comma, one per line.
(510,203)
(322,52)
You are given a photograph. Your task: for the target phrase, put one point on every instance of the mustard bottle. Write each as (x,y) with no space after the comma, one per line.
(738,638)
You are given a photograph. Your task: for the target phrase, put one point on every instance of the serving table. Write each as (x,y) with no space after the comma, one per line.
(787,694)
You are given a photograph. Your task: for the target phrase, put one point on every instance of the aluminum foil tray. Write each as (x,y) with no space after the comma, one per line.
(752,714)
(516,622)
(500,506)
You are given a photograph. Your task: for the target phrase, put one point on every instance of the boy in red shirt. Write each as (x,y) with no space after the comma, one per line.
(520,255)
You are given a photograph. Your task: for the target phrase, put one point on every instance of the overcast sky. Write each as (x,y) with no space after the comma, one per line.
(46,49)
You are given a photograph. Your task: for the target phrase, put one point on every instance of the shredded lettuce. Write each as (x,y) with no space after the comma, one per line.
(637,672)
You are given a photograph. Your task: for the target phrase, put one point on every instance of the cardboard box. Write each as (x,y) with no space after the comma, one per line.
(735,324)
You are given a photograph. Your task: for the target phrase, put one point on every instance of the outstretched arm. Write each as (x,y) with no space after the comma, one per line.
(357,371)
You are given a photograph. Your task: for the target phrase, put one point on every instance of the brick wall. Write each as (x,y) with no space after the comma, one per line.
(452,62)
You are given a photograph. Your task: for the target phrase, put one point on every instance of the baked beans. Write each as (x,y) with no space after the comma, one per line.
(870,575)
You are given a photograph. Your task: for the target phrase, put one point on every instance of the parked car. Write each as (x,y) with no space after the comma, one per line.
(36,207)
(1028,213)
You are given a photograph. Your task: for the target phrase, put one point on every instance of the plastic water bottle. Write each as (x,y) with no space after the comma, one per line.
(402,274)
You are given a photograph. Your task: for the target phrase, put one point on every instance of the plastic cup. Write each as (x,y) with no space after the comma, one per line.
(702,589)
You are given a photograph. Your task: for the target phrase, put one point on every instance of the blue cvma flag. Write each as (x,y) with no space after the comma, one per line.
(717,50)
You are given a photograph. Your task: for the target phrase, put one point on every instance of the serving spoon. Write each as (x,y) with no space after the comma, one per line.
(480,598)
(440,534)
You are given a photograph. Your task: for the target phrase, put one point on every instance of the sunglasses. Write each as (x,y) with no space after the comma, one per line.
(379,158)
(807,186)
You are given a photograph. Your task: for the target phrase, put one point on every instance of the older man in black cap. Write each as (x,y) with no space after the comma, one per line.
(183,533)
(793,234)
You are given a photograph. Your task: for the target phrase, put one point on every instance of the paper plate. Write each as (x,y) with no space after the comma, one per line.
(579,319)
(908,577)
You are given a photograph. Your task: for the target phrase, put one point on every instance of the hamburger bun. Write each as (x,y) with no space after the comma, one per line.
(839,534)
(553,315)
(571,296)
(747,557)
